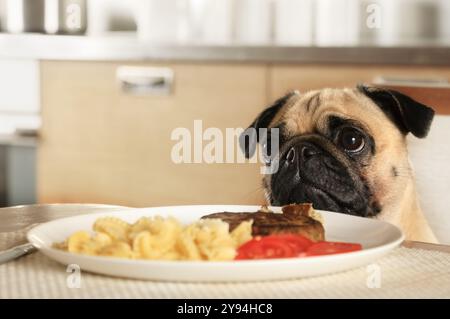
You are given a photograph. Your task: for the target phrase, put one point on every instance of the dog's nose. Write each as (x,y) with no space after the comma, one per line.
(302,151)
(308,151)
(290,157)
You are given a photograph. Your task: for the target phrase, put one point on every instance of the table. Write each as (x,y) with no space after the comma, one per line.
(415,270)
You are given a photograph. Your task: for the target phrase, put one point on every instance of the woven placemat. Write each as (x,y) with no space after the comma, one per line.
(404,273)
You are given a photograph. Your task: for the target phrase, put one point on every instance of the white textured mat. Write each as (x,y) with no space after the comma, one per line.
(405,273)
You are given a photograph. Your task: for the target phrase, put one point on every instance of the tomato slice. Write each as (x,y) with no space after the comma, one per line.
(260,248)
(297,242)
(290,245)
(273,246)
(329,248)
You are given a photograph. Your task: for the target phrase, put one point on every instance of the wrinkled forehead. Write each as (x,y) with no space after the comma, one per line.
(312,111)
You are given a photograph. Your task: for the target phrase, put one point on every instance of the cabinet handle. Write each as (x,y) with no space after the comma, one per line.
(138,80)
(412,82)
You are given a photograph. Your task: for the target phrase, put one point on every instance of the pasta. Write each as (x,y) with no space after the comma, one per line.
(117,229)
(159,238)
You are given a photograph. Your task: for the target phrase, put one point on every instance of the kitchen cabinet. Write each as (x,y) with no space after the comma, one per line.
(19,120)
(100,144)
(17,172)
(285,77)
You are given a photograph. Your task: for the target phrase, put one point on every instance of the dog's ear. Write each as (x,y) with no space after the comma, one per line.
(250,137)
(408,114)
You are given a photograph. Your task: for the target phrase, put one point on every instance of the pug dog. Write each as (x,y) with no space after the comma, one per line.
(345,150)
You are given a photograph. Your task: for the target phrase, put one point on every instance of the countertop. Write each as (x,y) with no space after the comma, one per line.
(126,47)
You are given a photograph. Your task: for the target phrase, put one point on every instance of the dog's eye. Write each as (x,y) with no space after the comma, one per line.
(351,140)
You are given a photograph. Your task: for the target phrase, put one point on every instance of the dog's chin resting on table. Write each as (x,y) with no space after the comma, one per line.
(344,150)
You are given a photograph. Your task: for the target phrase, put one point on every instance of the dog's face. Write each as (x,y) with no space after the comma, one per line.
(342,150)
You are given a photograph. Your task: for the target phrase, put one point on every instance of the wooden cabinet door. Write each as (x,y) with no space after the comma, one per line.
(285,77)
(99,144)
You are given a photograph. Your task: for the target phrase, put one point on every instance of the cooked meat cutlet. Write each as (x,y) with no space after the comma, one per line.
(294,219)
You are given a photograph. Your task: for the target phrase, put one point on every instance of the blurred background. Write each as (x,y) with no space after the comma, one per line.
(90,91)
(248,22)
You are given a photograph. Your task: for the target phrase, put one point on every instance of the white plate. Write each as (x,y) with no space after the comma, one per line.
(376,237)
